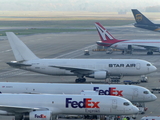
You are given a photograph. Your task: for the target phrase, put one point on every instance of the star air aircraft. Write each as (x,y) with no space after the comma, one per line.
(108,40)
(47,106)
(143,22)
(92,68)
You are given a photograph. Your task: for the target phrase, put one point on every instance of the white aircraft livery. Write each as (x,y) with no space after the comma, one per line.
(131,92)
(93,68)
(45,106)
(108,40)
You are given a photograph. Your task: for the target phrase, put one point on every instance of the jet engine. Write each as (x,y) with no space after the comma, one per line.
(38,115)
(98,75)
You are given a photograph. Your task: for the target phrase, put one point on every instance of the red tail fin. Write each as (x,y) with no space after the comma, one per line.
(106,38)
(103,33)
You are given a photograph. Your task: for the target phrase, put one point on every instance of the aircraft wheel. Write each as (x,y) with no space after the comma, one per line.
(77,80)
(150,53)
(95,117)
(86,116)
(82,80)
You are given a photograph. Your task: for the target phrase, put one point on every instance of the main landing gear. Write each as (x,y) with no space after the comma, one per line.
(80,80)
(150,53)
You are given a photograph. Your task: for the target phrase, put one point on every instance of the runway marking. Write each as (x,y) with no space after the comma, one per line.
(76,51)
(11,73)
(5,51)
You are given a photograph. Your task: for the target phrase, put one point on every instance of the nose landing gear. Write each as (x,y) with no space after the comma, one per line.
(150,53)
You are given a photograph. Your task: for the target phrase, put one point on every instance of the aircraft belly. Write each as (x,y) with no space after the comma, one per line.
(57,71)
(131,71)
(51,71)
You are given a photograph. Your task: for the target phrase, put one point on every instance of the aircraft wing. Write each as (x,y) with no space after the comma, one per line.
(148,47)
(75,69)
(19,109)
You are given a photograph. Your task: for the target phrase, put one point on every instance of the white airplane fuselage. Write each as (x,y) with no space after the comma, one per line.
(130,92)
(115,67)
(108,40)
(92,68)
(68,104)
(137,44)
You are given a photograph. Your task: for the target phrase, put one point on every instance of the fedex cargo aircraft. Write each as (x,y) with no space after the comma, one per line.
(46,106)
(130,92)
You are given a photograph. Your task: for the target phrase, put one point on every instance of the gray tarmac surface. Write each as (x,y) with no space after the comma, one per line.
(72,45)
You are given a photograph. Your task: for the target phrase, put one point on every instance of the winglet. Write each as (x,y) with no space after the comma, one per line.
(20,50)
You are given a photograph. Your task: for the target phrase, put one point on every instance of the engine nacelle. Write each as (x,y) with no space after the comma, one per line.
(38,115)
(98,75)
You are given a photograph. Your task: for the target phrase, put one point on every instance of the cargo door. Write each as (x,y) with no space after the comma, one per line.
(138,66)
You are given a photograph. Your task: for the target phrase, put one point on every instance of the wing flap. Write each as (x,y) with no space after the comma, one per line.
(18,64)
(75,69)
(148,47)
(19,109)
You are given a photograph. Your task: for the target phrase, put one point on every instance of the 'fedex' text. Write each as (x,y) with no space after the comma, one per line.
(86,103)
(111,91)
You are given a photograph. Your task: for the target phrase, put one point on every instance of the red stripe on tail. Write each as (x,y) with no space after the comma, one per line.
(105,36)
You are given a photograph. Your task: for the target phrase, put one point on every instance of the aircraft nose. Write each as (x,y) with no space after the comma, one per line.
(153,97)
(135,109)
(153,69)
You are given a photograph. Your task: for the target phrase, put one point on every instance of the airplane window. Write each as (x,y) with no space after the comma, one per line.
(126,103)
(146,92)
(148,64)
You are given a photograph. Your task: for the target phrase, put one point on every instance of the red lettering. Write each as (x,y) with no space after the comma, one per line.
(112,91)
(95,105)
(87,103)
(119,93)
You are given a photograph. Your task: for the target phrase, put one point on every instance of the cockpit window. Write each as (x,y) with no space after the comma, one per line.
(146,92)
(126,103)
(148,64)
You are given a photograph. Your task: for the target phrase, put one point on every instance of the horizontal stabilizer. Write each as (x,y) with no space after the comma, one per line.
(20,109)
(20,50)
(17,64)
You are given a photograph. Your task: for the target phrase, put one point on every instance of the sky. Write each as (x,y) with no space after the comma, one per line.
(76,5)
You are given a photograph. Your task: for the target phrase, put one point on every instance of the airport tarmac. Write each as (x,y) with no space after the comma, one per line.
(72,45)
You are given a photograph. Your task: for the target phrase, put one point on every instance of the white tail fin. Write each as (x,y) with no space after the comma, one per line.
(20,50)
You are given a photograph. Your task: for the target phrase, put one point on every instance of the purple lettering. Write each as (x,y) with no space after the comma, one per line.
(74,104)
(95,88)
(86,103)
(111,91)
(82,104)
(68,101)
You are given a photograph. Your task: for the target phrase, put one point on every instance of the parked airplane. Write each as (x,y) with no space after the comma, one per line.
(108,40)
(143,22)
(131,92)
(93,68)
(150,118)
(47,106)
